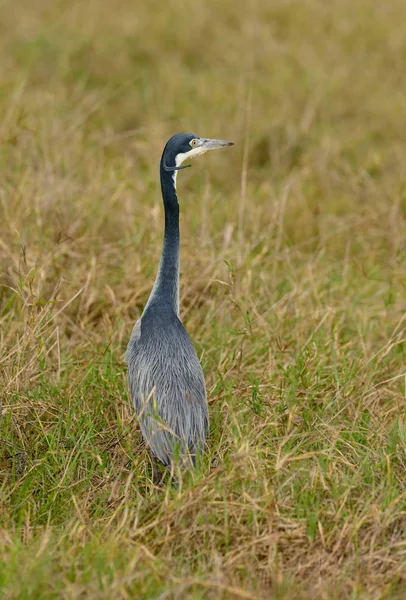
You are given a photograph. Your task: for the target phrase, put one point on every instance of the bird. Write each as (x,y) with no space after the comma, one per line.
(165,376)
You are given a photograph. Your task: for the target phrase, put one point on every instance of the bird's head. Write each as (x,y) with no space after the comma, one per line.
(183,146)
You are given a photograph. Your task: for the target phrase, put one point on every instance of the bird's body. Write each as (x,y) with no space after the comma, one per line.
(167,386)
(165,376)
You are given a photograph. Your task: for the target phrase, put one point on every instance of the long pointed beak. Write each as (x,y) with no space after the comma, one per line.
(209,144)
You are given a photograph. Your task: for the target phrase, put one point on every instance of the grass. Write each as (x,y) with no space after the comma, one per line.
(293,289)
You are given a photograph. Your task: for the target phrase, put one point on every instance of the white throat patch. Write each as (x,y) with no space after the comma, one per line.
(182,156)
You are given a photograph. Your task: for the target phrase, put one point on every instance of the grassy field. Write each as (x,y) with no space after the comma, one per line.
(293,288)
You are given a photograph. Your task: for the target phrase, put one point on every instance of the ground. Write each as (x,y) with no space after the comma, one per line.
(293,289)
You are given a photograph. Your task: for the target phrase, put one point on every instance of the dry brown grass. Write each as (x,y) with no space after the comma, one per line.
(293,288)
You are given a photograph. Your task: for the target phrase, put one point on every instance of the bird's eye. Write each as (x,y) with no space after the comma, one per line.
(193,143)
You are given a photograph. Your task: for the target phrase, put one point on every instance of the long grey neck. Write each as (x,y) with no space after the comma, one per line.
(165,293)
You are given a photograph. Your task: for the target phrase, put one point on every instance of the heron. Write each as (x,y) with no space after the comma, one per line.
(165,376)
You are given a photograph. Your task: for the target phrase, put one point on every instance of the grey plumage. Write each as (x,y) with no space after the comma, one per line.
(167,387)
(165,376)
